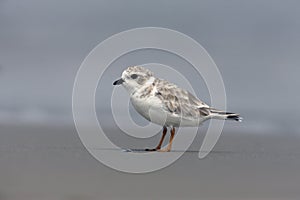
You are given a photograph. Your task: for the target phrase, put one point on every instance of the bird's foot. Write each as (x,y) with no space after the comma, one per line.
(158,149)
(155,149)
(150,149)
(163,150)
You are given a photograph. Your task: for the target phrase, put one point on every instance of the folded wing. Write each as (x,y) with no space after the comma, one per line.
(179,101)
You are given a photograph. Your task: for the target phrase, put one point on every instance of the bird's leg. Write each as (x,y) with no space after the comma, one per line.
(171,139)
(162,138)
(170,142)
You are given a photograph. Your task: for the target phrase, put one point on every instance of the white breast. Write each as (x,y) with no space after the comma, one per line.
(149,107)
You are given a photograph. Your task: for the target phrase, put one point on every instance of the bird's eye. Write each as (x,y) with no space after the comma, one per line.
(134,76)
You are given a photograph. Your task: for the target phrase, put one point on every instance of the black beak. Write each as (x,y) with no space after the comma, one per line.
(118,82)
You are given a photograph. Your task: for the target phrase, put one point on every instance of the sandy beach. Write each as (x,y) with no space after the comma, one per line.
(44,162)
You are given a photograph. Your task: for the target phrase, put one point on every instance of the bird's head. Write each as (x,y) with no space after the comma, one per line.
(133,78)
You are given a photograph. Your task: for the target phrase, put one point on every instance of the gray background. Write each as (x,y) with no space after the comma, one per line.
(255,44)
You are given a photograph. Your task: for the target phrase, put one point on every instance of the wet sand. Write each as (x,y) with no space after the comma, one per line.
(46,162)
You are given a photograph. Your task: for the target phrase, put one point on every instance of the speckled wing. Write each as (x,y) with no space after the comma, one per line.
(179,101)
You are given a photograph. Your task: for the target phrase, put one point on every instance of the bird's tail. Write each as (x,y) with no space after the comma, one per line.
(218,114)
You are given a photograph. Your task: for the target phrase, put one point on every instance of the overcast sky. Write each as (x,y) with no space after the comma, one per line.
(255,44)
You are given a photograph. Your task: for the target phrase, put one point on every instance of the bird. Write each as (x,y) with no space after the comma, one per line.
(166,104)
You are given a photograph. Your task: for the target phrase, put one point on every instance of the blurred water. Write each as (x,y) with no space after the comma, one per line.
(255,44)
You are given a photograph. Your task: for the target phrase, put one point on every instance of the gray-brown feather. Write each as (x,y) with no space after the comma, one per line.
(179,101)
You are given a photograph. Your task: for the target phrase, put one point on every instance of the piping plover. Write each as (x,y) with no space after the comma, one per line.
(166,104)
